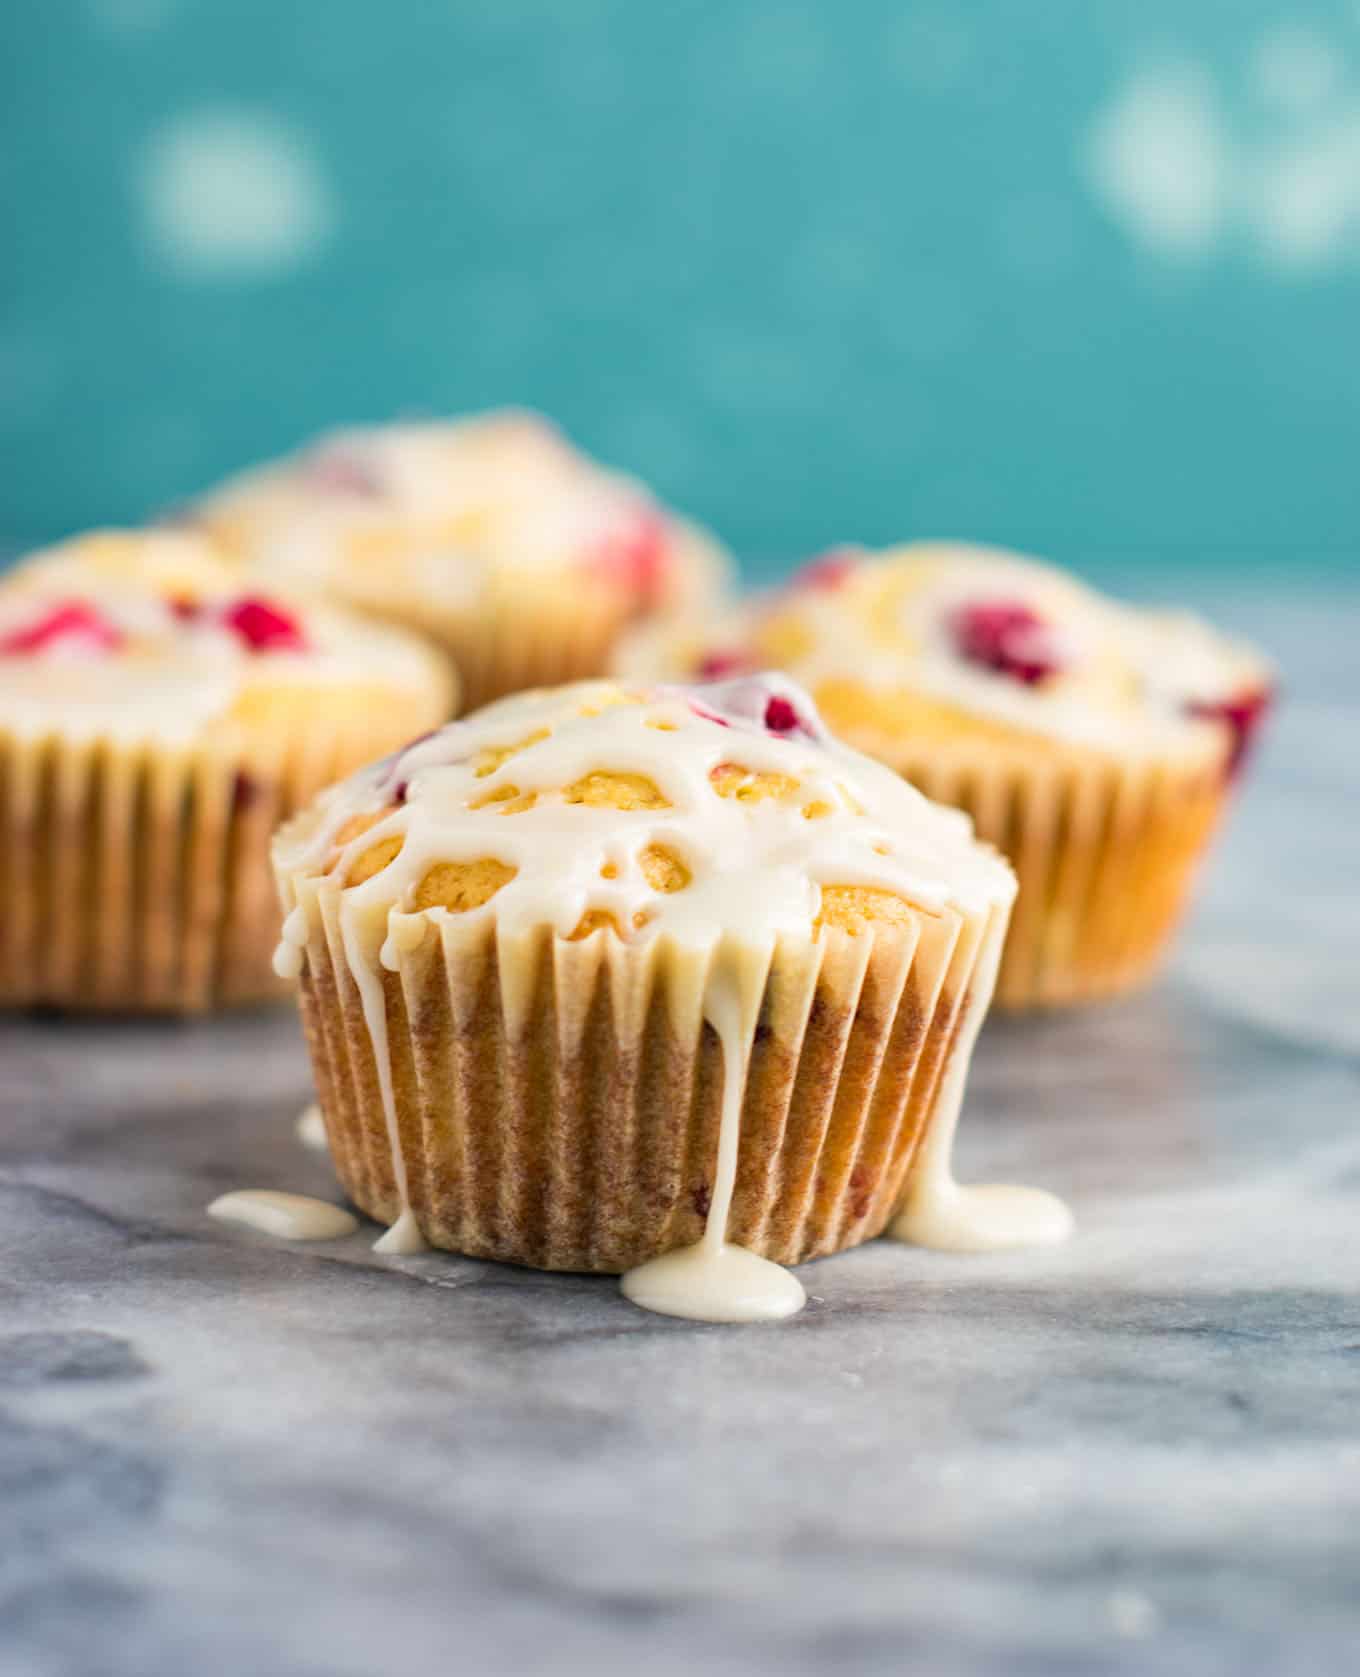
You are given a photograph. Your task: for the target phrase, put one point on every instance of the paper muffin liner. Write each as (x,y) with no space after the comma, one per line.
(524,630)
(135,877)
(1105,852)
(505,645)
(511,648)
(558,1102)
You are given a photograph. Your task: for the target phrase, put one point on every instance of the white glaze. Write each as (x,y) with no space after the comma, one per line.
(1126,680)
(310,1129)
(758,866)
(713,1280)
(285,1216)
(983,1217)
(939,1212)
(404,1237)
(288,954)
(107,698)
(170,678)
(1182,660)
(461,500)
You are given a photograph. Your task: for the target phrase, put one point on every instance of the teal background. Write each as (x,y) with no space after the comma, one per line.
(819,271)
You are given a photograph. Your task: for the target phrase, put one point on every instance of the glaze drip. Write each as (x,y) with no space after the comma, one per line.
(310,1129)
(713,1280)
(285,1216)
(941,1213)
(552,809)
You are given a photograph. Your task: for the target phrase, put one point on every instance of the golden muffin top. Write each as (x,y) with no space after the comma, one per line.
(984,635)
(697,811)
(446,508)
(147,634)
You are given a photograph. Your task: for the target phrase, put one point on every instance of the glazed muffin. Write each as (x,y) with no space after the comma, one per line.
(493,535)
(1090,742)
(156,724)
(604,973)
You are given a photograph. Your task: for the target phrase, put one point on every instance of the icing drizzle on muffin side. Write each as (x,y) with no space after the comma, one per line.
(721,817)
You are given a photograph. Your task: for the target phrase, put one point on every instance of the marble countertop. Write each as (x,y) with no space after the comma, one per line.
(1139,1453)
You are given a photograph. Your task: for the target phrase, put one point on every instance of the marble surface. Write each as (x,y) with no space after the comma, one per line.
(1140,1453)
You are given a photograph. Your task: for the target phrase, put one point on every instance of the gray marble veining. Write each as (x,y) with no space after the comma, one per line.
(1140,1453)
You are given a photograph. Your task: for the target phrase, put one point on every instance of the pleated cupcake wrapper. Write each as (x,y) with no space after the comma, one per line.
(558,1103)
(1105,853)
(525,632)
(504,645)
(135,877)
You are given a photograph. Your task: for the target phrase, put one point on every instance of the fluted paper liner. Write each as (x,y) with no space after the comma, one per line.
(512,646)
(136,877)
(525,630)
(1105,852)
(558,1102)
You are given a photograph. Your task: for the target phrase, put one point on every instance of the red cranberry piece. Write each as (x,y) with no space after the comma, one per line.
(1007,637)
(717,666)
(264,627)
(707,714)
(401,787)
(636,559)
(185,610)
(74,623)
(342,473)
(245,791)
(827,570)
(1242,716)
(780,716)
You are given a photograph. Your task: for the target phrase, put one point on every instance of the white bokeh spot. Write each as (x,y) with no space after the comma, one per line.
(1295,69)
(132,17)
(1305,209)
(1158,157)
(228,192)
(1183,167)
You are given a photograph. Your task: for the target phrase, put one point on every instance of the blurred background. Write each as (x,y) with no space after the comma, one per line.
(1083,278)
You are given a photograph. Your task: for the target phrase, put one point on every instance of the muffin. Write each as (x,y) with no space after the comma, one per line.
(156,724)
(493,535)
(604,974)
(1091,742)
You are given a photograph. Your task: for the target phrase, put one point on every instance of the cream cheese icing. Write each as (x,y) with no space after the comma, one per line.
(513,788)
